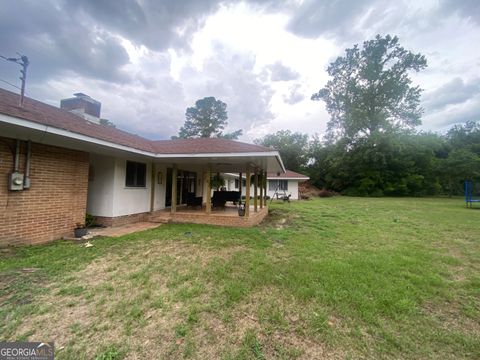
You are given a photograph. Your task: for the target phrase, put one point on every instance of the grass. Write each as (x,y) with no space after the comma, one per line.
(328,278)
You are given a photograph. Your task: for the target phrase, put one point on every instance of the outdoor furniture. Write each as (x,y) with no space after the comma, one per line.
(193,200)
(233,196)
(220,198)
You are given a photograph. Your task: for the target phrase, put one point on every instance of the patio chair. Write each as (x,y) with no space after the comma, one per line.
(193,200)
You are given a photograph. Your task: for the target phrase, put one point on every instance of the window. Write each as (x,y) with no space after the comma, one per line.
(136,174)
(236,183)
(280,184)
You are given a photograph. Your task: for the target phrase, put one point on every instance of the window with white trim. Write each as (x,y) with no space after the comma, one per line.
(280,184)
(136,174)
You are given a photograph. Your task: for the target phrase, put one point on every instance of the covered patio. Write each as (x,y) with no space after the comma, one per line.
(226,217)
(189,190)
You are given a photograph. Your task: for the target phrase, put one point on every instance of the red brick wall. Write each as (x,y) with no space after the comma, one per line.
(122,220)
(56,200)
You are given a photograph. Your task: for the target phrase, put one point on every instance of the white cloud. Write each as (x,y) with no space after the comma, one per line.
(263,58)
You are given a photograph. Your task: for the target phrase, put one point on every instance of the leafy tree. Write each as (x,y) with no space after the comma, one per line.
(460,165)
(466,136)
(462,161)
(395,164)
(208,118)
(293,148)
(232,135)
(371,91)
(106,122)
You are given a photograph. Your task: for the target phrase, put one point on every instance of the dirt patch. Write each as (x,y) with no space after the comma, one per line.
(126,297)
(308,191)
(279,323)
(279,219)
(449,316)
(12,285)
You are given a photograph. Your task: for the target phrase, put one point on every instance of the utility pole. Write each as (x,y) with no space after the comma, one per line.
(23,62)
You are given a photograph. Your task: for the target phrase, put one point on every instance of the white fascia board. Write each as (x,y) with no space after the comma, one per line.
(200,155)
(72,135)
(287,178)
(69,134)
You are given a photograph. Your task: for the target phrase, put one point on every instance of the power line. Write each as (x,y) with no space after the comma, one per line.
(9,83)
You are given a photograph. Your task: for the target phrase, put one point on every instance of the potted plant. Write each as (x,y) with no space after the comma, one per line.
(80,230)
(217,182)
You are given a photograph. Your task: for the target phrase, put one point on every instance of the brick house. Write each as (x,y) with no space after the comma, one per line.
(58,164)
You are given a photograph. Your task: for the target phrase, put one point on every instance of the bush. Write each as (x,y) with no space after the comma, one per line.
(89,220)
(324,193)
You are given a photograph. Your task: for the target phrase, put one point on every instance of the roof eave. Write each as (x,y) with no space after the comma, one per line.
(20,122)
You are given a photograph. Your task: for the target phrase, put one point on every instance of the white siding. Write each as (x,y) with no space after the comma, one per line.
(160,189)
(292,187)
(129,200)
(100,186)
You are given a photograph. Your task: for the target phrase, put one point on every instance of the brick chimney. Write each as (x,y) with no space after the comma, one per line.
(83,106)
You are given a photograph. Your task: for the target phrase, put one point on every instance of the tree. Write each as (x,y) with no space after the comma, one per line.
(208,118)
(460,165)
(394,164)
(463,160)
(466,136)
(106,122)
(293,148)
(371,90)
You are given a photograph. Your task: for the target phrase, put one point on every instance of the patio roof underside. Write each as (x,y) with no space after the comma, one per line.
(226,164)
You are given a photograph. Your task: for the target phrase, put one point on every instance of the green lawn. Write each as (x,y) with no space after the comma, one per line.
(328,278)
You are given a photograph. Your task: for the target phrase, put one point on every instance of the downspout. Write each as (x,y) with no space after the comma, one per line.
(17,155)
(26,179)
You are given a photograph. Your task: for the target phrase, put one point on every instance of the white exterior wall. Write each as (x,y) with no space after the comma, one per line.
(108,196)
(100,185)
(160,189)
(200,183)
(130,200)
(292,189)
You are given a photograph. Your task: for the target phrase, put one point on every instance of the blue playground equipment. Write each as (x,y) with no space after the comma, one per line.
(469,194)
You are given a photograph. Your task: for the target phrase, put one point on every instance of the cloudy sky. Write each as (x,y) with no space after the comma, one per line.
(148,60)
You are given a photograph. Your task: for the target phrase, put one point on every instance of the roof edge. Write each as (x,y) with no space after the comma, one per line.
(12,120)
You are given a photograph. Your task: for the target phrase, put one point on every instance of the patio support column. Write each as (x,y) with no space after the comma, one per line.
(261,189)
(247,191)
(182,179)
(208,200)
(265,188)
(240,185)
(173,207)
(255,190)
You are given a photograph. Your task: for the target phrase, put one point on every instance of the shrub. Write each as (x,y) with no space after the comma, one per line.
(89,220)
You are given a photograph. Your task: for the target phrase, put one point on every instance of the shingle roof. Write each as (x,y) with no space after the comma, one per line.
(288,174)
(45,114)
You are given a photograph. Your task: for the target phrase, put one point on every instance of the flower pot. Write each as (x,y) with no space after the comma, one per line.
(241,212)
(79,232)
